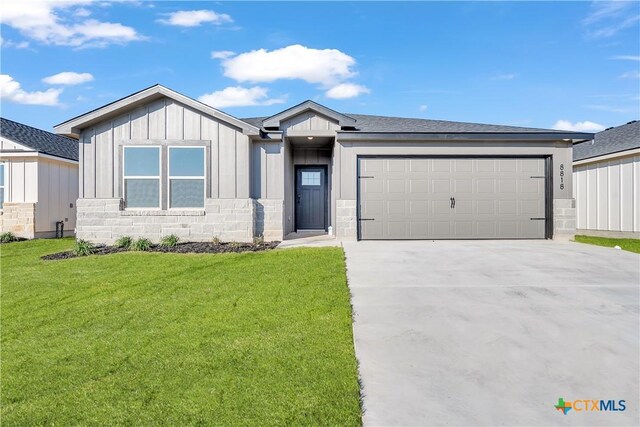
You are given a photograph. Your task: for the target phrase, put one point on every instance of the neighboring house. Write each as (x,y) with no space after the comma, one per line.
(38,180)
(607,182)
(157,162)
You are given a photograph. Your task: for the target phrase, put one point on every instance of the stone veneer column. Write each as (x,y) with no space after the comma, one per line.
(19,219)
(346,220)
(564,219)
(270,219)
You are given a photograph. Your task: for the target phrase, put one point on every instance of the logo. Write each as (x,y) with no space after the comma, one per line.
(563,406)
(590,405)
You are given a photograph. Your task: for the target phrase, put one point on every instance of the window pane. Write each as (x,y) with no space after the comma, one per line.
(142,161)
(311,178)
(187,193)
(1,197)
(1,175)
(186,161)
(142,193)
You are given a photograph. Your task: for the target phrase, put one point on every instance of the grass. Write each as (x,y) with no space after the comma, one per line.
(631,245)
(170,339)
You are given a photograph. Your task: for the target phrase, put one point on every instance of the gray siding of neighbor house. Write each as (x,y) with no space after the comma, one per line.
(164,122)
(345,172)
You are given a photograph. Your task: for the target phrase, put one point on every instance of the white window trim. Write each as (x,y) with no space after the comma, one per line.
(203,177)
(5,180)
(158,177)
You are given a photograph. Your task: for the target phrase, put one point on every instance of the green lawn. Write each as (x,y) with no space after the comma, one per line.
(631,245)
(142,339)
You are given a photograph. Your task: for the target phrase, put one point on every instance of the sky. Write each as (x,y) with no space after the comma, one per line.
(563,65)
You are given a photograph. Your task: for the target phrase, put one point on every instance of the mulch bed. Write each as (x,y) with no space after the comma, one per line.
(180,248)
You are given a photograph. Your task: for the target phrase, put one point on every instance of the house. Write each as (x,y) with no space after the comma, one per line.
(157,162)
(38,181)
(607,182)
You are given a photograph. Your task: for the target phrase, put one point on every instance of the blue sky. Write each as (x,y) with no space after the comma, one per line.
(571,65)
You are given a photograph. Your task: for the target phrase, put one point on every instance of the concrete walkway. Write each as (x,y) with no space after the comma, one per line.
(488,333)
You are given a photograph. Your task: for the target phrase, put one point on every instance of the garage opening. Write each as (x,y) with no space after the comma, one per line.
(452,198)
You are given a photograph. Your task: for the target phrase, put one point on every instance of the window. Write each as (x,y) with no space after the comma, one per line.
(186,177)
(142,177)
(311,178)
(1,185)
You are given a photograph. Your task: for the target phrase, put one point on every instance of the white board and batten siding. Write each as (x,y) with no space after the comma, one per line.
(57,195)
(607,195)
(22,185)
(169,121)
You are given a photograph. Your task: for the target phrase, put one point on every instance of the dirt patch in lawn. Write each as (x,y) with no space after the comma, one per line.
(180,248)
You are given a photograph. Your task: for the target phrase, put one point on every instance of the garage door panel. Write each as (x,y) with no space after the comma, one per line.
(411,198)
(418,186)
(441,165)
(396,165)
(486,207)
(440,186)
(508,186)
(463,207)
(418,165)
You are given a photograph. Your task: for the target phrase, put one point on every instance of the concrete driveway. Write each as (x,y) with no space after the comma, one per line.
(493,332)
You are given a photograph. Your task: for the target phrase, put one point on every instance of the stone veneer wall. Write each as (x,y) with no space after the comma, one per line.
(345,227)
(564,219)
(19,219)
(104,221)
(270,219)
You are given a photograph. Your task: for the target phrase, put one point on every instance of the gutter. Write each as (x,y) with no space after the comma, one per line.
(462,136)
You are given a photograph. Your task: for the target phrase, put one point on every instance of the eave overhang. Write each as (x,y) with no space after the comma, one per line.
(570,137)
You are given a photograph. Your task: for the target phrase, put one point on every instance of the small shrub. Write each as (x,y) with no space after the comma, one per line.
(83,248)
(169,241)
(8,237)
(124,242)
(141,244)
(216,240)
(258,240)
(234,244)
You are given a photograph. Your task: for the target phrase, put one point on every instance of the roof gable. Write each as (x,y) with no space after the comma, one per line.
(342,119)
(39,140)
(75,125)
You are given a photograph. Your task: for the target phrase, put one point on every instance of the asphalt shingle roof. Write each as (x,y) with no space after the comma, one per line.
(39,140)
(368,123)
(613,140)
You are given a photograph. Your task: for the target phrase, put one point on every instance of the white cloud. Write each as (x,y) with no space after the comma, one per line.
(10,43)
(510,76)
(631,75)
(585,126)
(222,54)
(11,91)
(195,18)
(423,107)
(51,22)
(627,57)
(68,78)
(327,67)
(346,90)
(237,96)
(608,18)
(82,12)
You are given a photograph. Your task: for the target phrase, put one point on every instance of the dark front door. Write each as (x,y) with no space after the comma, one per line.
(311,198)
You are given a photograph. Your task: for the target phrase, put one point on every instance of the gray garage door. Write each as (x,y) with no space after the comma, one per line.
(451,198)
